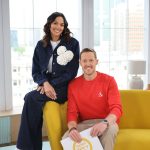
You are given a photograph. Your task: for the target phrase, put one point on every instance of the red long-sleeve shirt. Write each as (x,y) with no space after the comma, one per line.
(93,99)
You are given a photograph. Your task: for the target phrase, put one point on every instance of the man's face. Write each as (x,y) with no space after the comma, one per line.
(88,63)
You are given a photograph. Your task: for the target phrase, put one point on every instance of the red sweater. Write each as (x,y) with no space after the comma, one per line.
(93,99)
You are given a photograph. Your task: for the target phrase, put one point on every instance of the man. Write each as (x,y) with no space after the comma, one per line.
(93,101)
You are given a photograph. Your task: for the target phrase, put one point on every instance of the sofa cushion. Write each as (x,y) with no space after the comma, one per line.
(136,109)
(133,139)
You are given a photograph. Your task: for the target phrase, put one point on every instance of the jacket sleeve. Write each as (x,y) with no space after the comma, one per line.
(71,68)
(38,76)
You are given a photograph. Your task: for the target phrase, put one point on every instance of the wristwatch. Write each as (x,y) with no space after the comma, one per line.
(105,121)
(73,128)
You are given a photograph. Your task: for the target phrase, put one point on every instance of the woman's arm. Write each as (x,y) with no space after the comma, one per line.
(37,74)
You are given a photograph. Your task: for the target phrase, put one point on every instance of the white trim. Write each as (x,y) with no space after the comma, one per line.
(87,23)
(5,57)
(15,111)
(2,91)
(148,66)
(147,39)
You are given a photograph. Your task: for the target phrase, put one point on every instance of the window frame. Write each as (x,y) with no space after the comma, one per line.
(147,40)
(5,58)
(87,41)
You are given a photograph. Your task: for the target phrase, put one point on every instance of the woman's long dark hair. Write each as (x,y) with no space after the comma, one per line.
(65,34)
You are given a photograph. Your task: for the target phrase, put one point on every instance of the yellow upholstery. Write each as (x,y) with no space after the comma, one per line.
(134,133)
(55,120)
(133,139)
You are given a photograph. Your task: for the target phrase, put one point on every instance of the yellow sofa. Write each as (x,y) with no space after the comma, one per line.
(134,133)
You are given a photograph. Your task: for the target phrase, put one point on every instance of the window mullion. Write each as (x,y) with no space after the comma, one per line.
(147,39)
(2,99)
(87,23)
(7,86)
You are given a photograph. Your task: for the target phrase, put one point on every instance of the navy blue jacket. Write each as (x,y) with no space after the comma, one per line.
(61,74)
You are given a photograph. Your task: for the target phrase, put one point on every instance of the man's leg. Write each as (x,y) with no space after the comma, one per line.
(84,125)
(30,133)
(109,136)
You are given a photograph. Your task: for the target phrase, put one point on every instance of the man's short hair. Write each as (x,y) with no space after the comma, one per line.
(85,50)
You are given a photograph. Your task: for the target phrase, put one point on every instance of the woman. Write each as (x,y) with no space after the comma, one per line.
(55,64)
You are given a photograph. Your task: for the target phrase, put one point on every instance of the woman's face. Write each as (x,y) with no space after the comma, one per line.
(56,28)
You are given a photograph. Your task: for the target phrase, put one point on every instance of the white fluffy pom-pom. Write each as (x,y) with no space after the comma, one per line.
(69,55)
(61,60)
(64,55)
(61,50)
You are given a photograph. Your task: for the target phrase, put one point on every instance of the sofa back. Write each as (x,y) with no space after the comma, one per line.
(136,109)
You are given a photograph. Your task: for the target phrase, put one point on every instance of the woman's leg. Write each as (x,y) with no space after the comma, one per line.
(63,109)
(52,120)
(30,133)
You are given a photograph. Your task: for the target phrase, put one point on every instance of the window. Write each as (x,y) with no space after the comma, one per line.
(26,28)
(117,29)
(118,36)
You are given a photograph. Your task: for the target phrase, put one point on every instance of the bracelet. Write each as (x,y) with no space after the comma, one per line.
(105,122)
(73,128)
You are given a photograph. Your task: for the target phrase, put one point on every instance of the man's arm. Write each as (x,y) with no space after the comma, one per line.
(111,118)
(100,127)
(72,124)
(115,110)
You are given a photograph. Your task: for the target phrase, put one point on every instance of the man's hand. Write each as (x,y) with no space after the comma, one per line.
(75,135)
(98,129)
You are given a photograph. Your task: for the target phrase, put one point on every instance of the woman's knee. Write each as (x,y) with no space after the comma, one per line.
(29,95)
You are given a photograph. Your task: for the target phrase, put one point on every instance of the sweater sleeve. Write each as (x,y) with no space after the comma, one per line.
(72,110)
(114,100)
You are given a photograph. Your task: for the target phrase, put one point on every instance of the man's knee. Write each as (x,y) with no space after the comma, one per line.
(109,136)
(113,130)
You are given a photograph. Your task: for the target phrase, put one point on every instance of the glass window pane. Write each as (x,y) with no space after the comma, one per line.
(21,15)
(118,35)
(42,9)
(27,18)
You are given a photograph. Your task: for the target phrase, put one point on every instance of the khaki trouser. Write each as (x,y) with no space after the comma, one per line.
(107,138)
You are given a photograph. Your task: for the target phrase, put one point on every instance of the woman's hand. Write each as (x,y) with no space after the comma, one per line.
(98,129)
(49,90)
(40,89)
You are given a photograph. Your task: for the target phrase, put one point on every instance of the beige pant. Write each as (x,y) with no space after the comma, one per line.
(107,138)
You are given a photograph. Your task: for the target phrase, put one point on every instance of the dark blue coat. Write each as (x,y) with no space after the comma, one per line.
(61,74)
